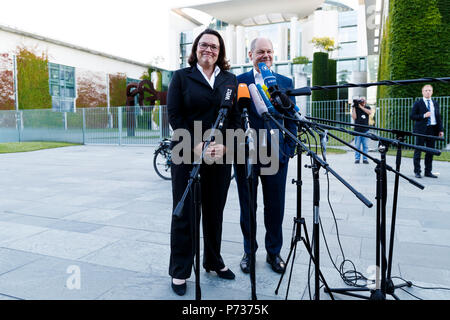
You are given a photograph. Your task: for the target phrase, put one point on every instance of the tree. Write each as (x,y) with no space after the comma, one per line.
(324,44)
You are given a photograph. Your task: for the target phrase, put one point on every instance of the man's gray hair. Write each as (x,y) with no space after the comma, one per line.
(253,43)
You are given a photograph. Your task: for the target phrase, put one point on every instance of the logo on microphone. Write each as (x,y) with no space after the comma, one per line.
(228,94)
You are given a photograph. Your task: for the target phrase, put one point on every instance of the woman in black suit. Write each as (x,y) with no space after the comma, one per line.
(195,94)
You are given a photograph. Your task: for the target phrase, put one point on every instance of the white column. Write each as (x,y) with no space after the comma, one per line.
(240,45)
(252,35)
(230,44)
(281,51)
(294,37)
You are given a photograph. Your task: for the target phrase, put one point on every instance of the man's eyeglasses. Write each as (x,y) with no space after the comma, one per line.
(204,46)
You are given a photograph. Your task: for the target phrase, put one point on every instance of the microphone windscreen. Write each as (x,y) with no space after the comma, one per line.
(269,78)
(243,97)
(228,97)
(243,91)
(257,100)
(266,90)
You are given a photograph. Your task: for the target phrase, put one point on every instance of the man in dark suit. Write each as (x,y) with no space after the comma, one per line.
(425,112)
(273,186)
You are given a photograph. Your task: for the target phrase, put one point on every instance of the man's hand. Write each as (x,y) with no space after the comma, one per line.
(441,134)
(427,114)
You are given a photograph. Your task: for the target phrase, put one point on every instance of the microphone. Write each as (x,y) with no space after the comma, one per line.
(280,102)
(243,97)
(267,102)
(226,104)
(266,90)
(323,143)
(269,79)
(244,102)
(260,105)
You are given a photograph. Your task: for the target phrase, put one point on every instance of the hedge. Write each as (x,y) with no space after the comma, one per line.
(416,44)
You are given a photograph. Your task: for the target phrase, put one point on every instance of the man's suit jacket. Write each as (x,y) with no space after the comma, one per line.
(287,146)
(190,98)
(418,110)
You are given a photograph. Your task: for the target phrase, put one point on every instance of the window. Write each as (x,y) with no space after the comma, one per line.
(347,49)
(348,34)
(347,19)
(62,87)
(186,40)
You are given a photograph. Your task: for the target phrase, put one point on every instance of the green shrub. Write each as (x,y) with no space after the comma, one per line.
(32,80)
(320,75)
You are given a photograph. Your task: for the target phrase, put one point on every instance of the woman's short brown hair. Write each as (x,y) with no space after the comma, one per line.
(222,62)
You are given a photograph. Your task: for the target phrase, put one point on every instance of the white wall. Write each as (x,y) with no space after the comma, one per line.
(177,25)
(69,56)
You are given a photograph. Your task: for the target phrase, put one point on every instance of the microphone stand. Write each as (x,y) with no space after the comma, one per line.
(195,189)
(400,135)
(299,222)
(249,152)
(318,163)
(384,286)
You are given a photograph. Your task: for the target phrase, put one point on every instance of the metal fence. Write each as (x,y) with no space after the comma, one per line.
(148,125)
(115,125)
(394,114)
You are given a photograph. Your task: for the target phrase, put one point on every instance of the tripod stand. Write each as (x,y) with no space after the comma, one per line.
(318,163)
(381,195)
(299,222)
(385,285)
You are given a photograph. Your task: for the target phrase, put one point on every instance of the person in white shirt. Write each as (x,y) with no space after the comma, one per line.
(425,112)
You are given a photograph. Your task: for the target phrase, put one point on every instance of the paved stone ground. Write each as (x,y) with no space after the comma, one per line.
(92,222)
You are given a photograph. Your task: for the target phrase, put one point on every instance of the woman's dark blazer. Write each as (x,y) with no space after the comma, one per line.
(190,98)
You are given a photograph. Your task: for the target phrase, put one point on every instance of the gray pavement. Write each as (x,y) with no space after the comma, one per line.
(92,222)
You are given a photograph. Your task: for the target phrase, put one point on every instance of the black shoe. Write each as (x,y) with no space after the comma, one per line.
(366,161)
(430,175)
(276,263)
(228,274)
(356,161)
(418,175)
(179,289)
(245,263)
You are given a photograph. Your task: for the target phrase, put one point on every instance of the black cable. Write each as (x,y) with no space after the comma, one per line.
(351,280)
(425,288)
(411,294)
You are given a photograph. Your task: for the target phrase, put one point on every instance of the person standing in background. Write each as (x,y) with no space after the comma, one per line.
(360,114)
(425,112)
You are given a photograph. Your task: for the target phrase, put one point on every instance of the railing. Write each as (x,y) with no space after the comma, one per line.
(393,113)
(116,125)
(148,125)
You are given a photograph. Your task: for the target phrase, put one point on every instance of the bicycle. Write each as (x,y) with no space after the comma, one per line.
(162,160)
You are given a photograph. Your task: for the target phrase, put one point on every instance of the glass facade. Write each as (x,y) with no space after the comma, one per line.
(269,31)
(348,33)
(62,87)
(186,40)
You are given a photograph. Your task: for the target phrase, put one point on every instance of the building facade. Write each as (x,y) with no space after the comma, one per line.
(291,28)
(75,76)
